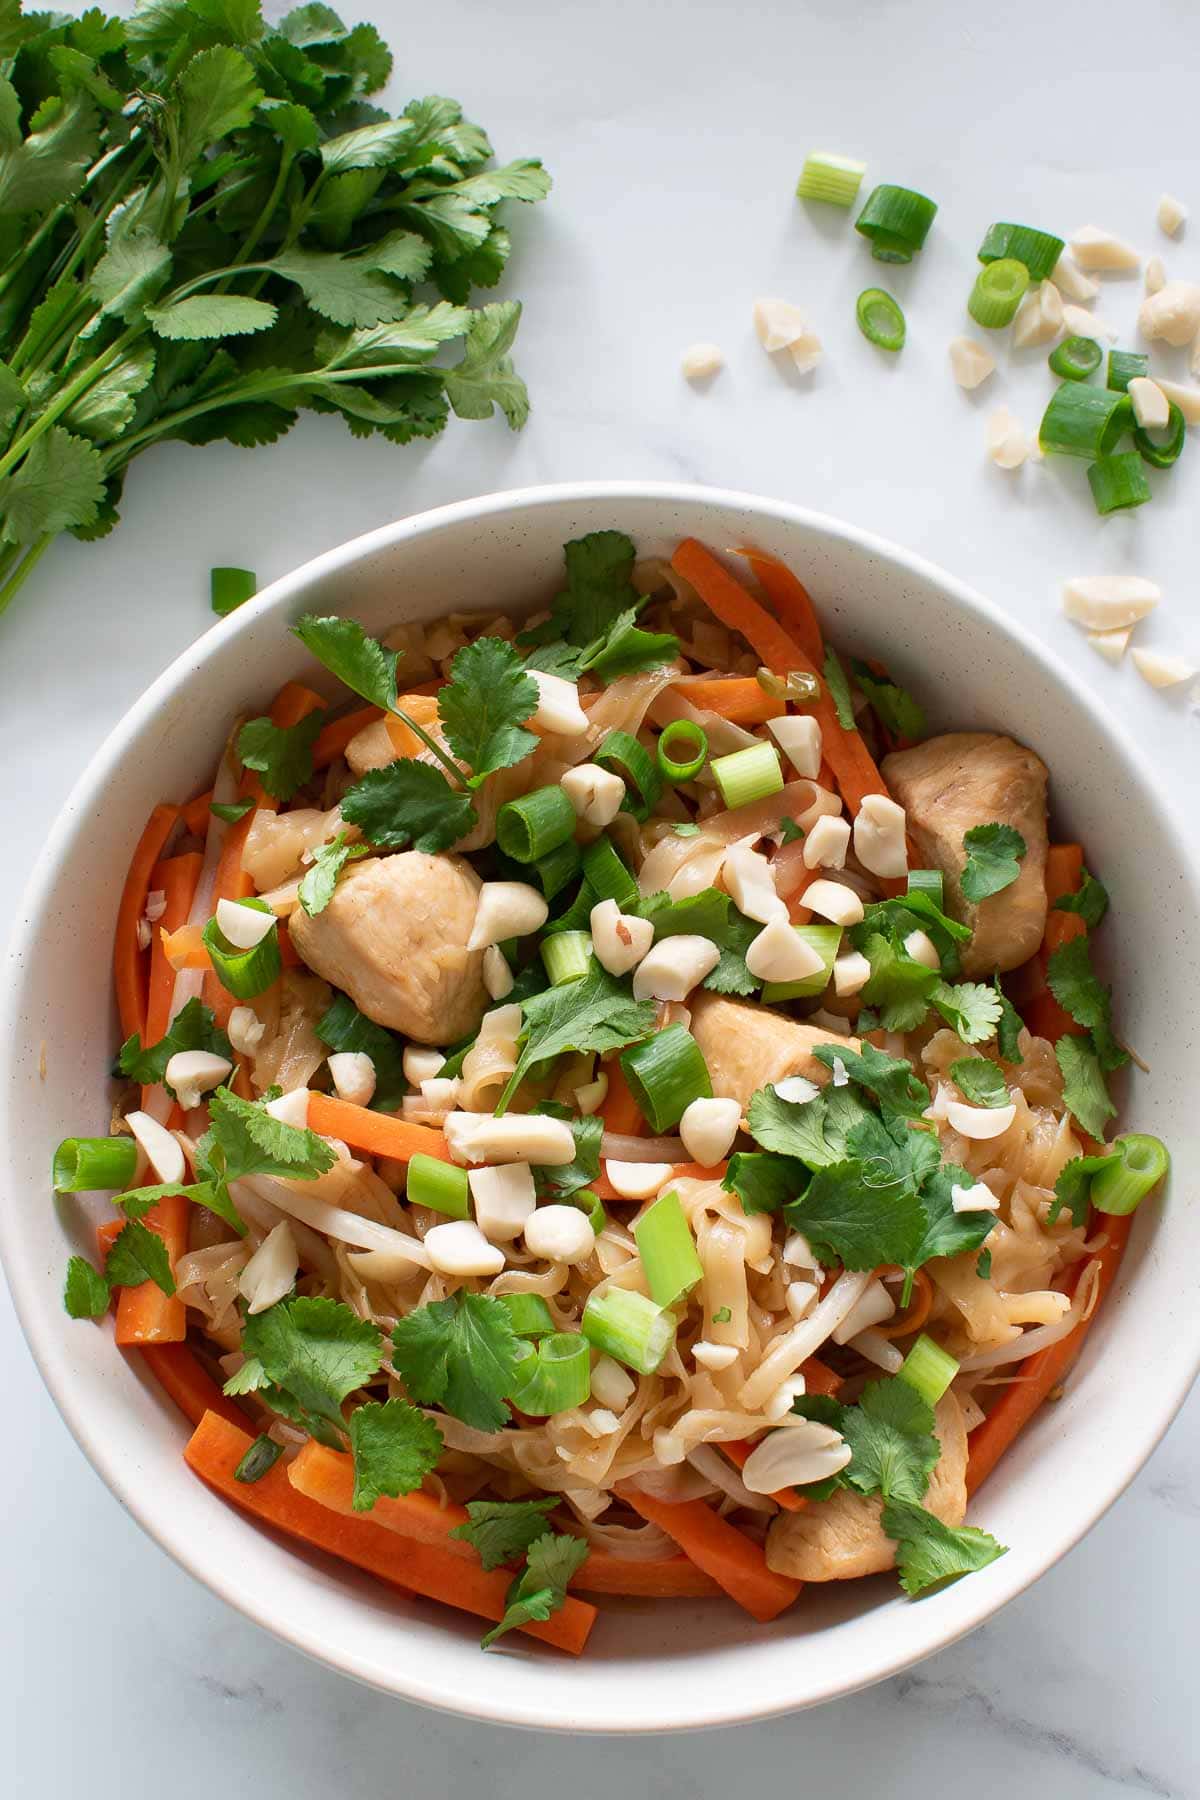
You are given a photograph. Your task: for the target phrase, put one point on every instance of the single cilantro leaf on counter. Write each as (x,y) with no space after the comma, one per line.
(900,715)
(1078,989)
(409,802)
(364,664)
(1090,901)
(948,1233)
(971,1008)
(813,1131)
(316,1350)
(194,1027)
(1085,1091)
(890,1079)
(484,706)
(280,754)
(929,1553)
(839,690)
(343,1027)
(460,1354)
(1073,1188)
(596,1013)
(979,1081)
(994,854)
(541,1588)
(138,1254)
(394,1446)
(1009,1026)
(599,589)
(501,1530)
(891,1434)
(764,1182)
(560,1180)
(86,1292)
(899,986)
(319,882)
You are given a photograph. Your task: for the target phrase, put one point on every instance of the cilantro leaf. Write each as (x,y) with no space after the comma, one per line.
(135,1203)
(460,1354)
(365,665)
(599,589)
(282,755)
(343,1027)
(994,854)
(563,1179)
(86,1292)
(983,1268)
(229,813)
(899,986)
(789,831)
(58,486)
(541,1588)
(596,1013)
(316,1350)
(1073,1188)
(813,1131)
(318,884)
(710,914)
(890,1432)
(254,1143)
(764,1182)
(979,1081)
(971,1008)
(503,1529)
(1078,989)
(139,1254)
(626,649)
(1090,901)
(948,1233)
(1009,1026)
(409,802)
(900,715)
(485,377)
(891,1080)
(860,1214)
(395,1446)
(1085,1092)
(484,706)
(839,690)
(194,1027)
(204,316)
(929,1553)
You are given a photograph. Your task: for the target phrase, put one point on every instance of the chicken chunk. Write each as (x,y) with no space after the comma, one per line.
(948,785)
(747,1047)
(277,841)
(394,937)
(841,1538)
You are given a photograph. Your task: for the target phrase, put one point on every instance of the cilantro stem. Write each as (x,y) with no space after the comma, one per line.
(66,399)
(435,748)
(23,569)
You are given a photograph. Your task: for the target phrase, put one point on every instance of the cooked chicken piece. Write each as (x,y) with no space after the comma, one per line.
(394,937)
(276,842)
(841,1538)
(747,1047)
(948,785)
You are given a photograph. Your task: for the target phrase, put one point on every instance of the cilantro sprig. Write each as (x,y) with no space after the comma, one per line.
(541,1587)
(502,1530)
(994,856)
(460,1354)
(194,1027)
(597,1013)
(319,883)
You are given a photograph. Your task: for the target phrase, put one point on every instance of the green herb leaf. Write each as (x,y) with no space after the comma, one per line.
(900,987)
(789,831)
(860,1214)
(899,714)
(597,1013)
(1009,1026)
(1085,1091)
(839,690)
(139,1254)
(343,1027)
(243,1139)
(563,1179)
(710,914)
(281,754)
(409,802)
(86,1293)
(626,649)
(891,1080)
(994,854)
(460,1354)
(49,166)
(501,1530)
(485,378)
(599,590)
(890,1432)
(395,1446)
(1090,901)
(194,1027)
(1073,1188)
(59,485)
(484,706)
(971,1008)
(361,662)
(203,316)
(929,1553)
(948,1233)
(983,1268)
(542,1587)
(812,1131)
(979,1081)
(1078,989)
(764,1182)
(319,883)
(232,811)
(316,1350)
(131,273)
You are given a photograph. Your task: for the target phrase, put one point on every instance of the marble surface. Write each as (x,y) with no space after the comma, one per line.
(675,133)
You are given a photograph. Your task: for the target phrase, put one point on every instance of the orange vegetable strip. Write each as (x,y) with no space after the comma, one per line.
(195,814)
(176,880)
(798,913)
(1040,1373)
(107,1233)
(1047,1019)
(740,700)
(129,964)
(791,600)
(423,710)
(603,1188)
(917,1313)
(620,1111)
(194,1392)
(717,1547)
(333,739)
(671,1578)
(377,1133)
(1064,875)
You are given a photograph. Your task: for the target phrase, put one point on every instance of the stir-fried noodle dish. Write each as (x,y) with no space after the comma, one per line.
(610,1105)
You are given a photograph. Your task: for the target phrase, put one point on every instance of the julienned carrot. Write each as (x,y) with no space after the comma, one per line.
(1038,1374)
(620,1111)
(798,913)
(852,764)
(334,737)
(377,1133)
(186,949)
(214,1451)
(791,600)
(1064,873)
(176,880)
(130,965)
(603,1188)
(722,1551)
(107,1233)
(328,1478)
(194,1392)
(739,699)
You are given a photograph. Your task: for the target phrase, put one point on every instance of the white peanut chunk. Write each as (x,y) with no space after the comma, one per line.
(1109,602)
(506,909)
(460,1248)
(1151,407)
(504,1200)
(497,976)
(782,326)
(353,1076)
(851,973)
(708,1128)
(751,885)
(595,793)
(879,840)
(1039,317)
(193,1072)
(1162,671)
(1171,214)
(473,1137)
(970,362)
(1071,281)
(826,845)
(674,967)
(1007,444)
(1094,248)
(799,737)
(561,1234)
(637,1180)
(243,926)
(1173,314)
(558,709)
(921,947)
(835,901)
(160,1148)
(779,953)
(420,1064)
(1111,645)
(702,361)
(619,940)
(245,1030)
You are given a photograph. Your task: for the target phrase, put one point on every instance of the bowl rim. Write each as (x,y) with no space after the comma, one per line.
(742,1708)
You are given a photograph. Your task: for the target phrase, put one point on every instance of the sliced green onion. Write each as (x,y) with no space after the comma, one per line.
(244,973)
(897,221)
(554,1377)
(529,1315)
(439,1185)
(262,1455)
(1123,366)
(1118,482)
(750,774)
(880,319)
(566,956)
(231,588)
(531,826)
(607,875)
(629,1328)
(929,1369)
(556,870)
(666,1073)
(84,1165)
(833,179)
(1084,421)
(1076,358)
(690,744)
(826,941)
(1160,455)
(929,882)
(800,686)
(625,757)
(1038,250)
(592,1205)
(578,914)
(668,1251)
(1124,1185)
(998,291)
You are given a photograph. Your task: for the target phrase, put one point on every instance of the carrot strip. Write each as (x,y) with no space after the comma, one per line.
(107,1233)
(740,700)
(603,1188)
(130,966)
(376,1133)
(798,913)
(195,814)
(176,880)
(333,739)
(620,1111)
(717,1547)
(1045,1018)
(670,1578)
(194,1392)
(1064,874)
(1040,1373)
(791,600)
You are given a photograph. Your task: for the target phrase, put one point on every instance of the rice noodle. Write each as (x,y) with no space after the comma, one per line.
(639,1149)
(1042,1336)
(804,1339)
(725,1477)
(724,828)
(334,1222)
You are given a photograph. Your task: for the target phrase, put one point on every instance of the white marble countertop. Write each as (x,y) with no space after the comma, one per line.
(675,133)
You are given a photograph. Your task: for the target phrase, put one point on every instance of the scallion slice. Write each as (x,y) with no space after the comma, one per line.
(746,775)
(531,826)
(634,764)
(1122,1186)
(833,179)
(1123,366)
(897,220)
(441,1186)
(880,319)
(929,1369)
(607,875)
(1084,421)
(668,1251)
(1075,358)
(231,588)
(244,973)
(629,1328)
(86,1165)
(929,882)
(666,1073)
(998,291)
(556,870)
(554,1377)
(529,1314)
(1118,482)
(566,956)
(825,940)
(262,1455)
(682,750)
(1160,455)
(1038,250)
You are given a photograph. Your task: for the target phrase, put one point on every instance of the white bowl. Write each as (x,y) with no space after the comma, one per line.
(676,1664)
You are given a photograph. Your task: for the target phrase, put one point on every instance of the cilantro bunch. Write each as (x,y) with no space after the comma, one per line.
(206,227)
